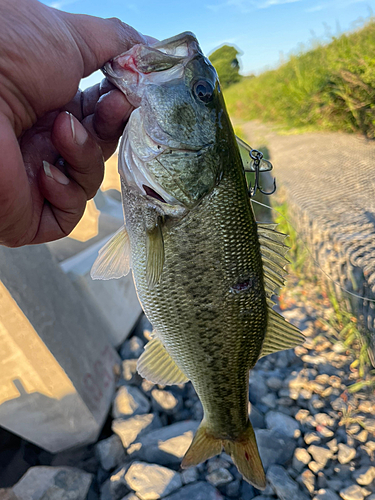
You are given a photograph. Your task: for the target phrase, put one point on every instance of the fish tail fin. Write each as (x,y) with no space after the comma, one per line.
(203,447)
(245,455)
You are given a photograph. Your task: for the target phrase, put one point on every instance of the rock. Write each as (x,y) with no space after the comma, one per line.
(131,496)
(257,387)
(233,489)
(247,491)
(269,400)
(7,494)
(164,446)
(110,452)
(129,372)
(283,424)
(300,459)
(335,484)
(307,479)
(320,455)
(282,360)
(189,475)
(274,448)
(51,483)
(332,445)
(256,417)
(324,494)
(353,492)
(131,429)
(217,463)
(283,485)
(324,419)
(311,437)
(151,481)
(132,348)
(262,497)
(362,436)
(274,383)
(196,491)
(115,488)
(129,401)
(165,401)
(219,477)
(315,466)
(346,453)
(365,475)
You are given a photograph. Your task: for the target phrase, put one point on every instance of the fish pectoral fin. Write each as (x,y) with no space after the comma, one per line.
(203,447)
(280,334)
(245,455)
(157,366)
(155,255)
(113,260)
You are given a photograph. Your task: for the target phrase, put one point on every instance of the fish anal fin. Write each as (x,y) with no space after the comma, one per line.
(245,455)
(113,260)
(155,255)
(203,447)
(280,334)
(157,366)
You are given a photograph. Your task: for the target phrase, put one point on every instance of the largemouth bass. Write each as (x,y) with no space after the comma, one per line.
(204,270)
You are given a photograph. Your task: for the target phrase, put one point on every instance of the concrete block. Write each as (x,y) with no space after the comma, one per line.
(56,362)
(116,299)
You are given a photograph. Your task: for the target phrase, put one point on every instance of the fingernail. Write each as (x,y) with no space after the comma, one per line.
(79,132)
(55,174)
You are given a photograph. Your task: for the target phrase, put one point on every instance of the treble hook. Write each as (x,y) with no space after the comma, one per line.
(257,156)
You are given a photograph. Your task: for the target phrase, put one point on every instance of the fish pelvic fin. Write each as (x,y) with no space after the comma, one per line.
(203,447)
(245,455)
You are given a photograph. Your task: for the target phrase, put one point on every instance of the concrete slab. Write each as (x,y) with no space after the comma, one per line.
(116,299)
(56,362)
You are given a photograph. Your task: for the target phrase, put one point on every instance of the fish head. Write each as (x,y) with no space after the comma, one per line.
(171,148)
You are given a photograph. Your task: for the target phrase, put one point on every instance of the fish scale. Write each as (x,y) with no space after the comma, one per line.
(206,254)
(204,270)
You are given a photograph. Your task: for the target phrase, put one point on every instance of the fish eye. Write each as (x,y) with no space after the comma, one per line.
(203,90)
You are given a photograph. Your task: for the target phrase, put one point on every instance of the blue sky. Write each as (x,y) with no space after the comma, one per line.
(264,30)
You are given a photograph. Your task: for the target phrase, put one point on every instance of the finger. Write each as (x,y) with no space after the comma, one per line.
(83,156)
(65,207)
(16,205)
(107,123)
(91,95)
(101,39)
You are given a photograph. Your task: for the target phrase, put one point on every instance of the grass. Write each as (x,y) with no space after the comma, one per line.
(341,321)
(330,87)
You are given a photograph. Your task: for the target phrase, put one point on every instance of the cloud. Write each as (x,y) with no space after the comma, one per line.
(335,4)
(247,6)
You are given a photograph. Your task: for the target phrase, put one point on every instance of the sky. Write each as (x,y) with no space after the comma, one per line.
(265,31)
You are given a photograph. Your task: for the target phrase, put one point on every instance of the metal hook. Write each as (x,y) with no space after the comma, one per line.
(257,156)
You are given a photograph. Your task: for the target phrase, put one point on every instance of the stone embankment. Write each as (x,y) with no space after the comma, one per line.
(329,181)
(316,438)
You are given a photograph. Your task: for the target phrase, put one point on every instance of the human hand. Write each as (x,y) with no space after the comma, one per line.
(53,139)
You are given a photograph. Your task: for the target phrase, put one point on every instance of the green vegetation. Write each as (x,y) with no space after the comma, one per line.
(341,321)
(329,87)
(226,64)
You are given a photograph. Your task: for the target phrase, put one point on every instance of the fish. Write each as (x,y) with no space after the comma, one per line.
(205,271)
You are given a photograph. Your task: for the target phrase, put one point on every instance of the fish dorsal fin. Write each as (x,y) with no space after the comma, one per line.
(113,260)
(273,250)
(157,366)
(155,255)
(280,334)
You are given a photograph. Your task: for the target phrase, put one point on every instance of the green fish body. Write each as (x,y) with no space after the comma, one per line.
(204,270)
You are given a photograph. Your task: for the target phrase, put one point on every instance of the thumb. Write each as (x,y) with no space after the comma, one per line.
(101,39)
